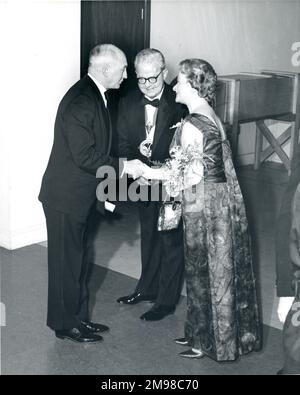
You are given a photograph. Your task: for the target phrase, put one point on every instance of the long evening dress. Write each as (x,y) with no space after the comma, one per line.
(222,311)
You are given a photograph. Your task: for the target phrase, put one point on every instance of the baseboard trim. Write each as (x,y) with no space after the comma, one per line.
(4,239)
(23,237)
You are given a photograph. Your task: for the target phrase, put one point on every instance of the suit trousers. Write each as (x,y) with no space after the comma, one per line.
(162,258)
(68,270)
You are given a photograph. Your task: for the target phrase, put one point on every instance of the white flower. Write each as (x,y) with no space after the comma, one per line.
(178,124)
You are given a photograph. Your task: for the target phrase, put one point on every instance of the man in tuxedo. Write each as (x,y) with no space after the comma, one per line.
(82,141)
(144,120)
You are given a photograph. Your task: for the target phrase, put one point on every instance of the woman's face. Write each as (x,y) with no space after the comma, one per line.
(183,89)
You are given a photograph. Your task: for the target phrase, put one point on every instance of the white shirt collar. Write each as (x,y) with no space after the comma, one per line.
(101,88)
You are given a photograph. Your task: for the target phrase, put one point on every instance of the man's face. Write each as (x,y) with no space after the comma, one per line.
(148,70)
(117,73)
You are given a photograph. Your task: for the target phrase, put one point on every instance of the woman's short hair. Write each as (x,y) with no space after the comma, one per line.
(202,77)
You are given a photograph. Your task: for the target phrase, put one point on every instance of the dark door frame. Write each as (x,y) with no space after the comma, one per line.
(146,4)
(147,26)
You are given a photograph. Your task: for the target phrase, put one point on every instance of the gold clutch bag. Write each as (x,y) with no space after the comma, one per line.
(169,216)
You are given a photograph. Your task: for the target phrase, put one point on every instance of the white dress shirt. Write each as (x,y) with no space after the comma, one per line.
(150,117)
(101,88)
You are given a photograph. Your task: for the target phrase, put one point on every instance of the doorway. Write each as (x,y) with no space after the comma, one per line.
(125,24)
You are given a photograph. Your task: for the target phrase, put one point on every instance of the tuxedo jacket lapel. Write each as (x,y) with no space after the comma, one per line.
(103,113)
(109,132)
(163,117)
(140,115)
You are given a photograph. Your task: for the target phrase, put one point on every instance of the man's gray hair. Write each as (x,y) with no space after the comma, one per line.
(104,53)
(150,55)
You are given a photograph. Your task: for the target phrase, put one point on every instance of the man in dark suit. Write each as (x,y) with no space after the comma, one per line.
(82,140)
(144,121)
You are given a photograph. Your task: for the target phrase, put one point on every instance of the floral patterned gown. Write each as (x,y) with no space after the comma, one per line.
(222,312)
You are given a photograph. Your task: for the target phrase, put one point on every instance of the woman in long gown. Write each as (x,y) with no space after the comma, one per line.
(222,314)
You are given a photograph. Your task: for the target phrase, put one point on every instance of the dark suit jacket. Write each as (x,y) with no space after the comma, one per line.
(82,141)
(131,125)
(284,267)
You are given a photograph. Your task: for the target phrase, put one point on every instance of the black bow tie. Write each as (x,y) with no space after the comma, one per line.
(154,103)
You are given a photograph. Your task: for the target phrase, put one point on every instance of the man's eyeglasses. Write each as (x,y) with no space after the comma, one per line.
(152,80)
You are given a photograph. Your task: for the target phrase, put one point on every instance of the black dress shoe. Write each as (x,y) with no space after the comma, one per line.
(93,327)
(79,335)
(135,298)
(157,313)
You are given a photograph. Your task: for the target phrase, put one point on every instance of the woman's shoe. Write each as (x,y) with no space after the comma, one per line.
(192,353)
(182,341)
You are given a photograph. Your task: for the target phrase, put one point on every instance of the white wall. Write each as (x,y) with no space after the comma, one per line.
(42,62)
(40,47)
(244,35)
(4,159)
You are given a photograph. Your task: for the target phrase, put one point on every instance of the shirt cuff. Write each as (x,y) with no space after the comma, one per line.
(109,206)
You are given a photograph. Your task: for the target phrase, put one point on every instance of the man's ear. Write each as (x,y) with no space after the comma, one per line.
(165,73)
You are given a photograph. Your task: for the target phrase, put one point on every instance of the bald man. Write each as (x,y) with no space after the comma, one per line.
(82,142)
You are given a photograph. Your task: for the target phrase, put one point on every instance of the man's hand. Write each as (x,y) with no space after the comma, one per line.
(143,181)
(134,168)
(284,306)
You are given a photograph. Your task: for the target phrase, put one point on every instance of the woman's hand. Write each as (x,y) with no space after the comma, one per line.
(143,181)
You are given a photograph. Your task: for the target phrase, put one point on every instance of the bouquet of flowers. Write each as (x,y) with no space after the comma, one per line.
(176,168)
